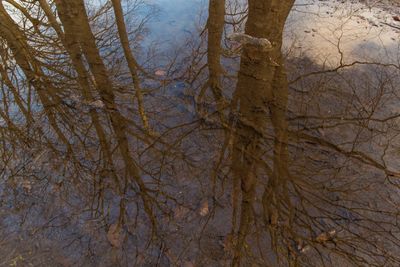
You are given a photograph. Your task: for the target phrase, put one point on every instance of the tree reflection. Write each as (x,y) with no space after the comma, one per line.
(222,152)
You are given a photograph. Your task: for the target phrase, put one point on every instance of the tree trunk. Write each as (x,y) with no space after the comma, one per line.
(261,89)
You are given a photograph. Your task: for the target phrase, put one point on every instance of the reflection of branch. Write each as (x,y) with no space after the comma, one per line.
(342,66)
(348,119)
(390,25)
(358,155)
(132,64)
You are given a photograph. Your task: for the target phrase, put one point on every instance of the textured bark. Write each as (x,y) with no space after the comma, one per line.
(261,89)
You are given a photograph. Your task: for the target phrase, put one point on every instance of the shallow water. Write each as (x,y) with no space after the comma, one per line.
(176,18)
(191,146)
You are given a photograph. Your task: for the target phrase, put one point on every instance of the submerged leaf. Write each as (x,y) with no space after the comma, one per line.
(160,72)
(204,210)
(115,235)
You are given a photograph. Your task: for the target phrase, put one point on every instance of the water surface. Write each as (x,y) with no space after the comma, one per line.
(203,134)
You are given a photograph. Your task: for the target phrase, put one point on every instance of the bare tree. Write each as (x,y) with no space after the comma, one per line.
(229,152)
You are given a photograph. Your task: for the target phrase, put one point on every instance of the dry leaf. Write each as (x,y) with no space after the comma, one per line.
(160,72)
(204,208)
(324,237)
(115,235)
(27,186)
(97,104)
(229,243)
(305,249)
(180,212)
(188,264)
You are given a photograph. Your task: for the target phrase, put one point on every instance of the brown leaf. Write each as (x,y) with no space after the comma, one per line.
(326,236)
(322,238)
(180,212)
(96,104)
(188,264)
(160,72)
(27,186)
(115,235)
(229,243)
(204,208)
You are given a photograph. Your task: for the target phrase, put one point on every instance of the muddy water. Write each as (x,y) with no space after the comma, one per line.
(166,140)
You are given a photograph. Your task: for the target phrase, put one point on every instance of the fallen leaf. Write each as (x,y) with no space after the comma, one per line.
(305,249)
(27,186)
(160,72)
(115,235)
(180,212)
(97,104)
(229,243)
(324,237)
(188,264)
(204,208)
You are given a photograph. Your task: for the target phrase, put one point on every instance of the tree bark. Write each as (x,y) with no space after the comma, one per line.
(261,89)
